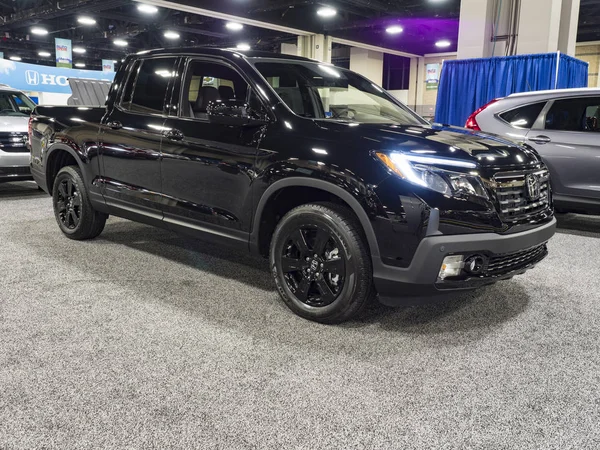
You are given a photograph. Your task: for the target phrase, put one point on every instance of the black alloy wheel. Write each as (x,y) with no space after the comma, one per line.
(321,263)
(68,204)
(73,210)
(313,265)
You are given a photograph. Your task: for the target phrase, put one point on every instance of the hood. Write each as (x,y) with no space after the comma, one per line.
(444,142)
(14,123)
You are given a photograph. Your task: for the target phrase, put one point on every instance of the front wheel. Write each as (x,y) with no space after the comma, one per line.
(321,263)
(74,213)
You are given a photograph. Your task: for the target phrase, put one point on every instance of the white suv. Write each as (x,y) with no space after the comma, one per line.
(15,109)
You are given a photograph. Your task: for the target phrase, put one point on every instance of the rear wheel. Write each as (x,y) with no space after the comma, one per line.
(74,213)
(321,263)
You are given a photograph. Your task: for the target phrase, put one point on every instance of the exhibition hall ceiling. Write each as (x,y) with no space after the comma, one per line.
(110,29)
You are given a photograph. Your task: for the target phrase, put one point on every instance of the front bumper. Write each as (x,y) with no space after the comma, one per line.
(15,173)
(14,166)
(516,252)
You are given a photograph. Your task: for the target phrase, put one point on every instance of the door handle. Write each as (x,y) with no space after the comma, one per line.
(174,134)
(540,139)
(114,125)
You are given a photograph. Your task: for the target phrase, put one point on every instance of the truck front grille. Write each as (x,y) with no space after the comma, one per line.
(522,195)
(500,264)
(14,142)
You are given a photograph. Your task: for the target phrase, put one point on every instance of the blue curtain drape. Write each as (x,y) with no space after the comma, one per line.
(466,85)
(572,72)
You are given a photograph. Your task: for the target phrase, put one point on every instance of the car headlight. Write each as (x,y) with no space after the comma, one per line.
(425,171)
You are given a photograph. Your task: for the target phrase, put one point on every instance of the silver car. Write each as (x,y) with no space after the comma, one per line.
(15,108)
(564,127)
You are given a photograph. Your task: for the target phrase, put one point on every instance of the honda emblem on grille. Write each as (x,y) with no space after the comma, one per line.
(532,187)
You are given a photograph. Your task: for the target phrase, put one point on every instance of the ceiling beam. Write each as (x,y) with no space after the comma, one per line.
(372,47)
(225,16)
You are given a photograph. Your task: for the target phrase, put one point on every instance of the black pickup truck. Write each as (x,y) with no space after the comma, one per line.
(347,192)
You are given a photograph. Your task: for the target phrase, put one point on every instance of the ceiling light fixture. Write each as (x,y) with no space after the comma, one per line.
(44,54)
(326,11)
(15,58)
(86,21)
(79,50)
(79,65)
(242,46)
(147,9)
(171,35)
(234,26)
(394,29)
(120,43)
(443,43)
(39,31)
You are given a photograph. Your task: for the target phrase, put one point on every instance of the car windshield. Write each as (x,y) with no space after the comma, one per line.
(323,91)
(15,104)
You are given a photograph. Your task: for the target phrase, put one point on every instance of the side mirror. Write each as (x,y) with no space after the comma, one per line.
(232,112)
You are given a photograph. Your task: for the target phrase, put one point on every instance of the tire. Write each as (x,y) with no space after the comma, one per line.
(342,262)
(73,211)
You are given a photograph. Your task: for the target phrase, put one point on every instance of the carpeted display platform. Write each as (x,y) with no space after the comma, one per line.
(143,339)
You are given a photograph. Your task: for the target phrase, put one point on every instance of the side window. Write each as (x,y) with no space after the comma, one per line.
(208,82)
(128,91)
(291,88)
(523,116)
(574,114)
(150,86)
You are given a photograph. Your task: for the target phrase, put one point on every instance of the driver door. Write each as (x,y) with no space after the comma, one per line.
(207,168)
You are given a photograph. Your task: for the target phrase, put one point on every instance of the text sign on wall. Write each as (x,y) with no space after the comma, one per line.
(64,52)
(108,65)
(432,79)
(31,77)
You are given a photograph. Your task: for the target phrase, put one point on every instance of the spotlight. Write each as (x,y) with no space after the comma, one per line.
(86,21)
(326,11)
(147,9)
(234,26)
(39,31)
(394,29)
(171,35)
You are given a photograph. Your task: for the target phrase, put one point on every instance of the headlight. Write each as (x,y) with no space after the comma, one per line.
(424,171)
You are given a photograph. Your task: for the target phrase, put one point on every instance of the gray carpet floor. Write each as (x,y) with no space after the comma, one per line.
(142,339)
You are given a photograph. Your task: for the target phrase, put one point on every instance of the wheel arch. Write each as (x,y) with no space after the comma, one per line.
(320,185)
(57,157)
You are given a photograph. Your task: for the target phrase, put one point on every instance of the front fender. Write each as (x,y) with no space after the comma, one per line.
(357,195)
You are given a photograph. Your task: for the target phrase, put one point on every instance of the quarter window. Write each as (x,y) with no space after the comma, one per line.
(574,114)
(523,116)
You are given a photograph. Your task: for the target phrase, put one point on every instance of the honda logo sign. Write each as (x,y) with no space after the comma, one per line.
(32,77)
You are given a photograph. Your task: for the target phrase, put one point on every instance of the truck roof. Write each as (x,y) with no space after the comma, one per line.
(221,52)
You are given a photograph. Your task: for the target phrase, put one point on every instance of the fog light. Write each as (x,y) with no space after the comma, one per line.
(451,266)
(474,264)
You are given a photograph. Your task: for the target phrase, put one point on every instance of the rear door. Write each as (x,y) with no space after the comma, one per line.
(130,139)
(568,139)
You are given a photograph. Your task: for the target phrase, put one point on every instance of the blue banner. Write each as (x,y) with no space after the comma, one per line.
(31,77)
(64,52)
